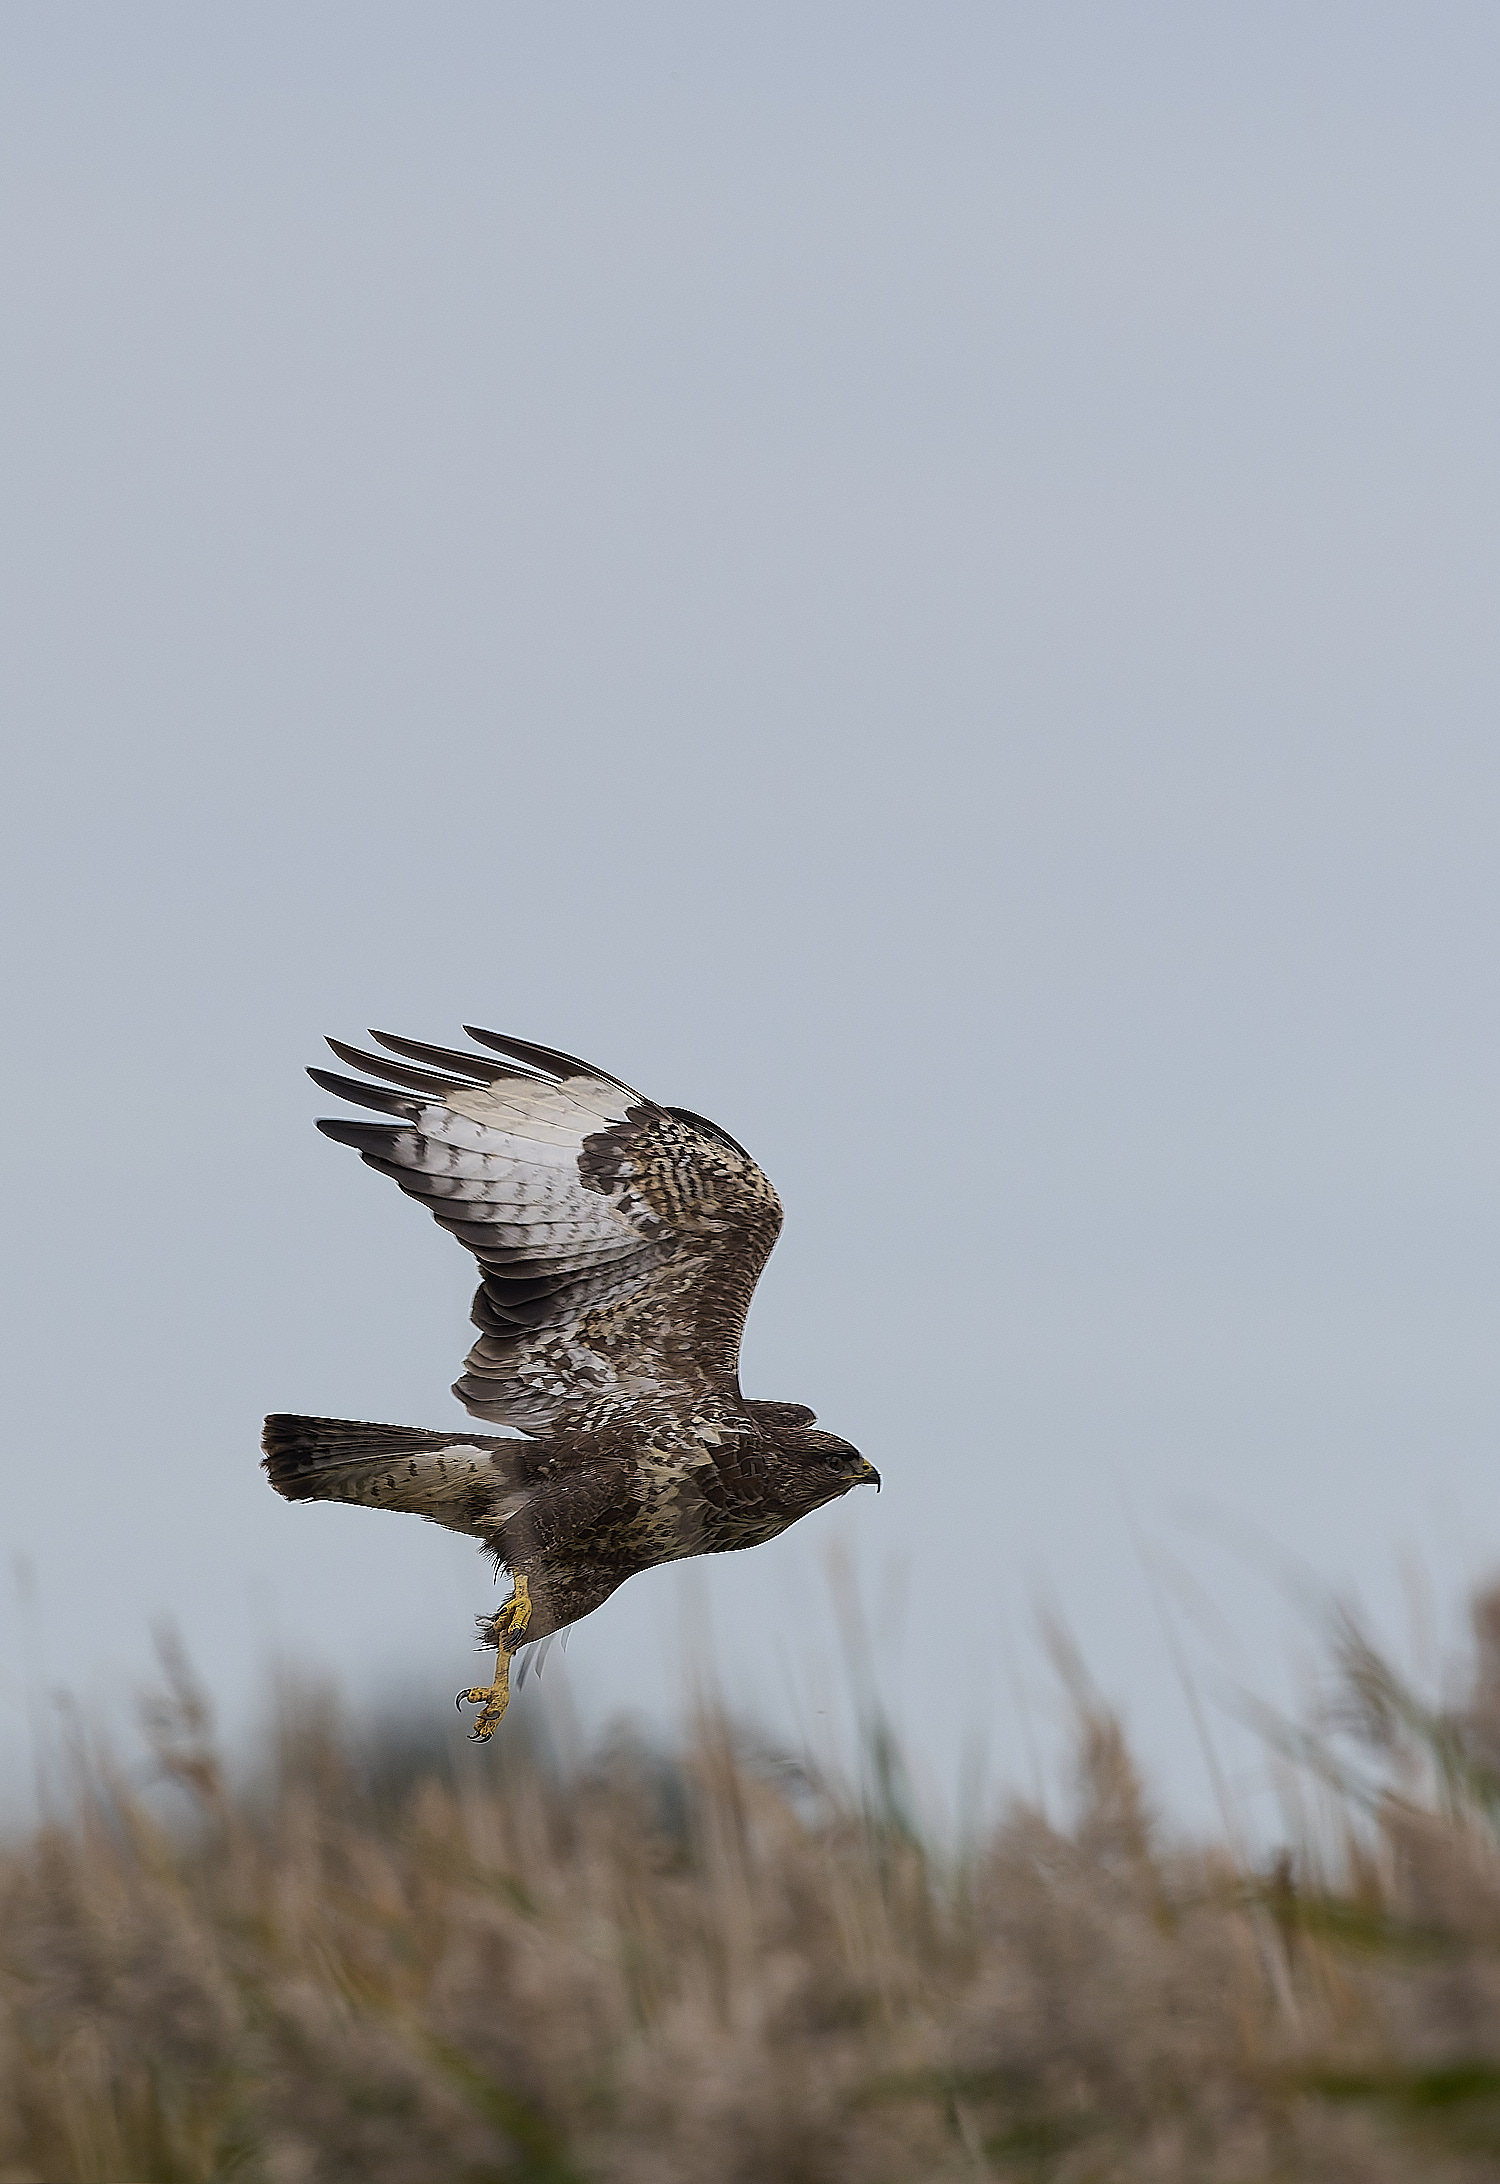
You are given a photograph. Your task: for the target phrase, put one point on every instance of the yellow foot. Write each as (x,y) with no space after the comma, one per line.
(508,1625)
(492,1700)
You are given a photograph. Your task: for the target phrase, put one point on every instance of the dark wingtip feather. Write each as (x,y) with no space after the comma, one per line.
(550,1059)
(478,1067)
(415,1080)
(363,1095)
(365,1137)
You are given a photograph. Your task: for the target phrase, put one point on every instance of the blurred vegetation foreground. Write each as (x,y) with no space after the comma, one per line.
(711,1969)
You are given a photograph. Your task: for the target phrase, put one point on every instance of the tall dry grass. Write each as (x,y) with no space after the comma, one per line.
(366,1966)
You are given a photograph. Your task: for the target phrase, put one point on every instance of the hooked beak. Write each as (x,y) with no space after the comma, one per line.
(867,1475)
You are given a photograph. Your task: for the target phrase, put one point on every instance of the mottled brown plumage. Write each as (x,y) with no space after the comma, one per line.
(619,1244)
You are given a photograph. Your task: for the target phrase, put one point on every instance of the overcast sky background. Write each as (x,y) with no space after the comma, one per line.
(918,580)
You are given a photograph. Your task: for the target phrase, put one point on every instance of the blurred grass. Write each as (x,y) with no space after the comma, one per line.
(371,1964)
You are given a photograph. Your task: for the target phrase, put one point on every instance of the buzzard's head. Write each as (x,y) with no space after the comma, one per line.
(825,1467)
(817,1467)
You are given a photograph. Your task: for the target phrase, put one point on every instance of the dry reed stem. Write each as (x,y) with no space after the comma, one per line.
(645,1971)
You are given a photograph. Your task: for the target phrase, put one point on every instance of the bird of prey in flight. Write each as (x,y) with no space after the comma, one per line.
(618,1244)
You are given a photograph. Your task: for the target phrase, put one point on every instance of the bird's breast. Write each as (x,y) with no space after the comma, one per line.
(687,1506)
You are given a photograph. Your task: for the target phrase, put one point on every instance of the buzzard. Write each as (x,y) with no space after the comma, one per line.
(618,1244)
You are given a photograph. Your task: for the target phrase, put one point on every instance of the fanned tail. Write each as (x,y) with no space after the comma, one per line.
(456,1480)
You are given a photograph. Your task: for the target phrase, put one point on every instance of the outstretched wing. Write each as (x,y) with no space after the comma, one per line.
(619,1241)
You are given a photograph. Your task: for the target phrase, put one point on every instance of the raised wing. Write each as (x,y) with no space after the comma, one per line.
(620,1241)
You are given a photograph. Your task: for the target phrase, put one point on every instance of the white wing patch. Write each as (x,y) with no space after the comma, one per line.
(544,1112)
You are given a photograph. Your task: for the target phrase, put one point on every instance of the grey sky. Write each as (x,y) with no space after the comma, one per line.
(919,581)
